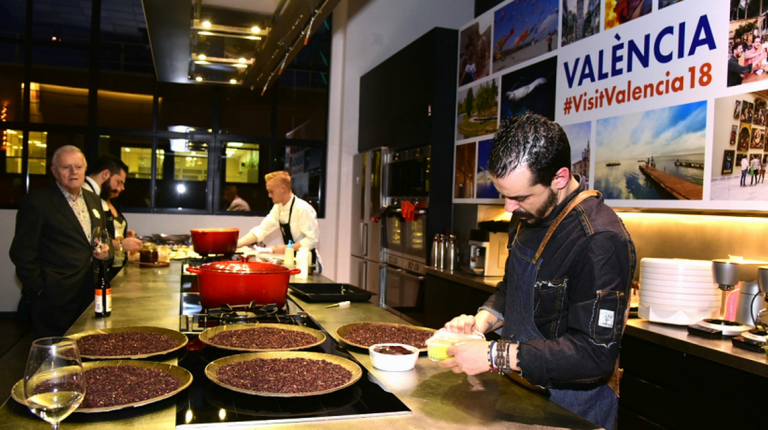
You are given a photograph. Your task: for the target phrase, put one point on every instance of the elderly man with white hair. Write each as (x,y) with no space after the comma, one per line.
(52,250)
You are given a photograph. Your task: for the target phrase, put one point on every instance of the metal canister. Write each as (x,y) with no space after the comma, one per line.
(437,251)
(450,253)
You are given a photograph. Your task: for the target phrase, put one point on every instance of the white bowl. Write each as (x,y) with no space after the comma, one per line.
(672,285)
(392,362)
(675,263)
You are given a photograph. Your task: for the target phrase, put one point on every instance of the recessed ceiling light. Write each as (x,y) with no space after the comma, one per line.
(199,79)
(202,56)
(240,66)
(253,37)
(233,81)
(205,33)
(201,62)
(242,60)
(255,29)
(207,24)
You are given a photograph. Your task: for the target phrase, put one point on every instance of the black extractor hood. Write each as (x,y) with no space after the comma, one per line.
(241,42)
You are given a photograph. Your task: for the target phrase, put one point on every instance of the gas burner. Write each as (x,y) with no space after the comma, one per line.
(756,334)
(239,314)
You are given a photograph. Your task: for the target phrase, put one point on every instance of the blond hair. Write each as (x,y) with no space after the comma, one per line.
(281,176)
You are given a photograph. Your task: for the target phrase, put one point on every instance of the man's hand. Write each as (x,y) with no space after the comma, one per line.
(101,252)
(131,244)
(483,322)
(130,233)
(468,357)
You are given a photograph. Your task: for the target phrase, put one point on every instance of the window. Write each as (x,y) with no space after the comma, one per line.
(42,145)
(66,21)
(307,168)
(243,166)
(11,180)
(182,174)
(136,153)
(59,87)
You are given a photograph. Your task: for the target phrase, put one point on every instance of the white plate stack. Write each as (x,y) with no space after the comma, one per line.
(677,291)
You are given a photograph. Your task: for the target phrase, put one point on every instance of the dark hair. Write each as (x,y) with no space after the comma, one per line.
(109,162)
(530,140)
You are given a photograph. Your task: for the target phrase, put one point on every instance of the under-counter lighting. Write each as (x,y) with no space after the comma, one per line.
(255,29)
(199,79)
(202,56)
(207,24)
(205,33)
(240,66)
(202,62)
(241,60)
(233,81)
(253,38)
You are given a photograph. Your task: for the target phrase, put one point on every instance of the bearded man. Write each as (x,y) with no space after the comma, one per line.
(562,304)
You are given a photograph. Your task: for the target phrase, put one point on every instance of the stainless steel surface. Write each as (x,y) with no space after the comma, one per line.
(718,350)
(484,283)
(438,397)
(725,273)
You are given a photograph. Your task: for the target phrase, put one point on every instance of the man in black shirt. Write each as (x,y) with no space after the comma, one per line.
(563,302)
(736,71)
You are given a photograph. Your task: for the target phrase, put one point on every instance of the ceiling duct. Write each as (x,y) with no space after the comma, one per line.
(245,42)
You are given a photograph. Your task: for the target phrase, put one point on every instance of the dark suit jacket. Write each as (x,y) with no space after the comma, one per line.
(53,258)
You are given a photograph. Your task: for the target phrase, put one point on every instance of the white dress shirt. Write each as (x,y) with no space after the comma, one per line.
(303,223)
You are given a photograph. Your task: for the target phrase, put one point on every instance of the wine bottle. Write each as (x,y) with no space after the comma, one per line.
(103,293)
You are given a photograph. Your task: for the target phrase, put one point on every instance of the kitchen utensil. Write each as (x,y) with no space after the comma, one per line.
(339,305)
(211,370)
(237,282)
(210,332)
(53,383)
(438,344)
(329,292)
(215,240)
(180,373)
(393,362)
(180,339)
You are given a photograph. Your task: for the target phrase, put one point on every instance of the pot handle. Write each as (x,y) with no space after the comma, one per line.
(294,271)
(195,270)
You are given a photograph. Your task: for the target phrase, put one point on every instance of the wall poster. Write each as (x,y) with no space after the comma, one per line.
(660,99)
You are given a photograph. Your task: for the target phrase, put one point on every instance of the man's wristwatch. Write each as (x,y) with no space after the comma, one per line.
(120,244)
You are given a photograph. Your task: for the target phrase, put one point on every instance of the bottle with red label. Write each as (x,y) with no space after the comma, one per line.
(103,293)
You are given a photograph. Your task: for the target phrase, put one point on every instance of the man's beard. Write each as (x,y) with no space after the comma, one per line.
(106,191)
(536,218)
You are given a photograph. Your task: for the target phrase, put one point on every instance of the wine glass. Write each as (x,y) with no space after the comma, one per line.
(100,237)
(54,384)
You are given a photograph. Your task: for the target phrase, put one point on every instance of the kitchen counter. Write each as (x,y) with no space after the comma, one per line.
(675,337)
(438,397)
(484,283)
(720,351)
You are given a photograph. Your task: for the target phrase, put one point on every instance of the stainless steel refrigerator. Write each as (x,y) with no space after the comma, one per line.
(367,202)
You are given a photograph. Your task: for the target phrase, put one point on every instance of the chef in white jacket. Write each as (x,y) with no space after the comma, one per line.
(296,219)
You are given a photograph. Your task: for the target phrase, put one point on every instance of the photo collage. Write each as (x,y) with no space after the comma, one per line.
(666,142)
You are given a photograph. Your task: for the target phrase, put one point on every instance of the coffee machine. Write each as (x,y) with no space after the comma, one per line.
(756,301)
(726,274)
(487,252)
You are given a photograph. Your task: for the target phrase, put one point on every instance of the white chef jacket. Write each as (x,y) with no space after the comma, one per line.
(303,223)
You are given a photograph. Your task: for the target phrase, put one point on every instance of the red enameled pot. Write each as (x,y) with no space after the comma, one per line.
(215,240)
(237,283)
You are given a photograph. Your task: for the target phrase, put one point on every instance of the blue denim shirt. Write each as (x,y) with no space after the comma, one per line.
(581,294)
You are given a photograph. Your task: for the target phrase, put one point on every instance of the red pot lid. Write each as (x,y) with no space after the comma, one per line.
(245,268)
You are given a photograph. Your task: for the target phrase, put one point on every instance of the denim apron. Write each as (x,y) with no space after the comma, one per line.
(597,403)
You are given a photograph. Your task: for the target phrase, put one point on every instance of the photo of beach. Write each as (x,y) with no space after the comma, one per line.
(657,154)
(522,30)
(477,110)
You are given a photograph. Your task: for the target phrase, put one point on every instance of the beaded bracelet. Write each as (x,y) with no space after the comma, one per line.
(491,367)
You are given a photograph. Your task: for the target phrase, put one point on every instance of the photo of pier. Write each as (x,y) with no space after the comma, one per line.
(652,155)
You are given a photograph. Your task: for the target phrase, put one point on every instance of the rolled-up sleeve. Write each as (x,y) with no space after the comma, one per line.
(268,225)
